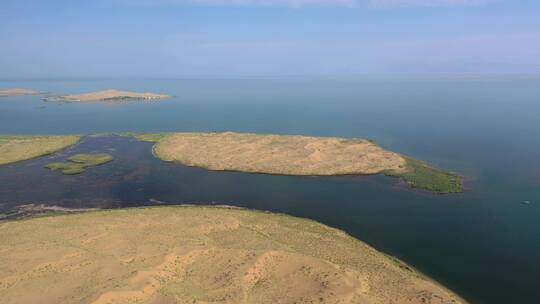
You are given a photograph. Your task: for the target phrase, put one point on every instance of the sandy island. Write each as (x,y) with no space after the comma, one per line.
(199,255)
(297,155)
(17,148)
(18,92)
(108,95)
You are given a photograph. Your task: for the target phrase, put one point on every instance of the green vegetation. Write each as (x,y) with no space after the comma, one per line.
(15,148)
(421,175)
(78,163)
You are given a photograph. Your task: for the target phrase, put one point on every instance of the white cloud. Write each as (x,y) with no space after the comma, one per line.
(301,3)
(392,3)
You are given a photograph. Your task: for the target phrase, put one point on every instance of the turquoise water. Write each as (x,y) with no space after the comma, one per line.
(484,244)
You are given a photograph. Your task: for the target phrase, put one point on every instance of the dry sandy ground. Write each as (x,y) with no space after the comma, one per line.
(18,92)
(17,148)
(278,154)
(109,95)
(198,255)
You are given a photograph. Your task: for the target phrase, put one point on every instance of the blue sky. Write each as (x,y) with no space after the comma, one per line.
(191,38)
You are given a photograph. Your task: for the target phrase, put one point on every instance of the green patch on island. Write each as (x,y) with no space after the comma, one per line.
(78,163)
(423,176)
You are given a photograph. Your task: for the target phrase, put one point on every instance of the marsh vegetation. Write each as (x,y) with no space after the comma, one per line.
(423,176)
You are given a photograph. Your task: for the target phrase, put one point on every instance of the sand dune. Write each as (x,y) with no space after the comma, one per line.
(198,255)
(278,154)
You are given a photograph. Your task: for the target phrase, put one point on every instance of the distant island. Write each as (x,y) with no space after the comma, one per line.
(18,92)
(108,95)
(190,254)
(297,155)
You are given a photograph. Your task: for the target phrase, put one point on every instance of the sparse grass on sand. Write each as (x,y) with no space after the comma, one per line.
(297,155)
(194,254)
(18,148)
(78,163)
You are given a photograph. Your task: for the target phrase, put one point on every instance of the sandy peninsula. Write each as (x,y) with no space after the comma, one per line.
(297,155)
(199,255)
(18,92)
(18,148)
(108,95)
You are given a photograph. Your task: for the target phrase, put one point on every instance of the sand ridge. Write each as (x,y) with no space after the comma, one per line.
(198,255)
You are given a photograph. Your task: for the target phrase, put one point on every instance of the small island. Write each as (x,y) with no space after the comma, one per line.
(190,254)
(78,163)
(15,148)
(297,155)
(18,92)
(108,96)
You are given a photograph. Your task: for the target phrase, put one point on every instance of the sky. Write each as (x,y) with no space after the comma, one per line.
(230,38)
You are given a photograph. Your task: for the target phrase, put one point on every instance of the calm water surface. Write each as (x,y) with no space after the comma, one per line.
(484,243)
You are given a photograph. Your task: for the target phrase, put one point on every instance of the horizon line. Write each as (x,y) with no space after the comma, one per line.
(262,76)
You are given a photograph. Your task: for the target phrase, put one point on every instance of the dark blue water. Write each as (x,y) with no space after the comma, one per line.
(484,244)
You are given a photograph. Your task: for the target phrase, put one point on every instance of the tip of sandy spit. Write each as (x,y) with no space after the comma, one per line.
(19,92)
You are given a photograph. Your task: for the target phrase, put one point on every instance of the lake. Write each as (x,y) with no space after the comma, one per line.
(484,243)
